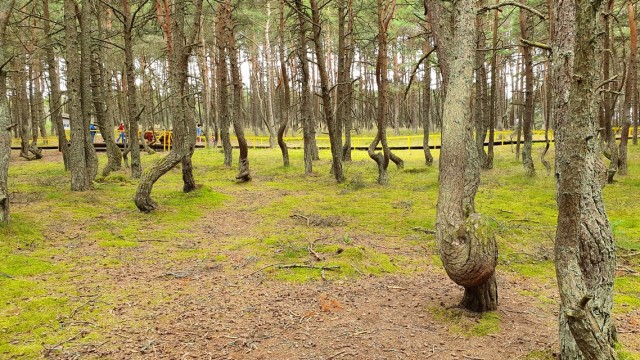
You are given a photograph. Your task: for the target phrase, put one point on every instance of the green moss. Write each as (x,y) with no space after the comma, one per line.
(463,323)
(544,270)
(624,354)
(540,355)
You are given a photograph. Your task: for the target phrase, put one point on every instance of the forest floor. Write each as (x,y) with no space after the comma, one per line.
(287,266)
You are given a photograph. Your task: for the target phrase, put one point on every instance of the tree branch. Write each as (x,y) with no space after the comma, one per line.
(512,3)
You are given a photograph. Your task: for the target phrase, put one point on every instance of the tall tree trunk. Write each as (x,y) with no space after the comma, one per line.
(98,86)
(308,131)
(467,248)
(488,160)
(480,107)
(344,86)
(55,105)
(628,92)
(132,99)
(5,119)
(426,111)
(584,249)
(82,159)
(527,122)
(269,70)
(327,107)
(223,94)
(22,105)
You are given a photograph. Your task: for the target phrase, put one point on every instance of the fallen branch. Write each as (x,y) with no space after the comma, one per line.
(75,311)
(426,231)
(305,266)
(637,253)
(294,266)
(314,253)
(302,217)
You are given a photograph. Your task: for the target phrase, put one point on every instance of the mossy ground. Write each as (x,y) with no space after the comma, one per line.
(59,239)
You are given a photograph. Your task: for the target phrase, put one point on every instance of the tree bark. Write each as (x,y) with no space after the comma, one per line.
(527,121)
(5,119)
(100,105)
(223,94)
(244,174)
(133,114)
(426,111)
(628,92)
(81,160)
(488,160)
(286,97)
(584,249)
(55,106)
(327,107)
(467,248)
(308,132)
(184,135)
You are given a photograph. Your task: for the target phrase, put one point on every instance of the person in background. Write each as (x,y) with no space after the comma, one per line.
(93,130)
(121,136)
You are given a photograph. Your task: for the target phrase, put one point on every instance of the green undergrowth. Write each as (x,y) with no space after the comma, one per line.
(355,229)
(467,324)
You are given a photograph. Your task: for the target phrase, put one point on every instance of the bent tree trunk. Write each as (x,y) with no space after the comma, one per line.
(183,122)
(584,249)
(244,174)
(286,100)
(467,247)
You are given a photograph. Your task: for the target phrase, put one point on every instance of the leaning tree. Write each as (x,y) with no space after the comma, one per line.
(184,133)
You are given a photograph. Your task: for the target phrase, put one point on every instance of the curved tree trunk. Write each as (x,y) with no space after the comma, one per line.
(467,248)
(184,135)
(244,174)
(385,14)
(584,249)
(286,103)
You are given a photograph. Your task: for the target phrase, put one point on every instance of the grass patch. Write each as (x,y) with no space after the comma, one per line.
(466,324)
